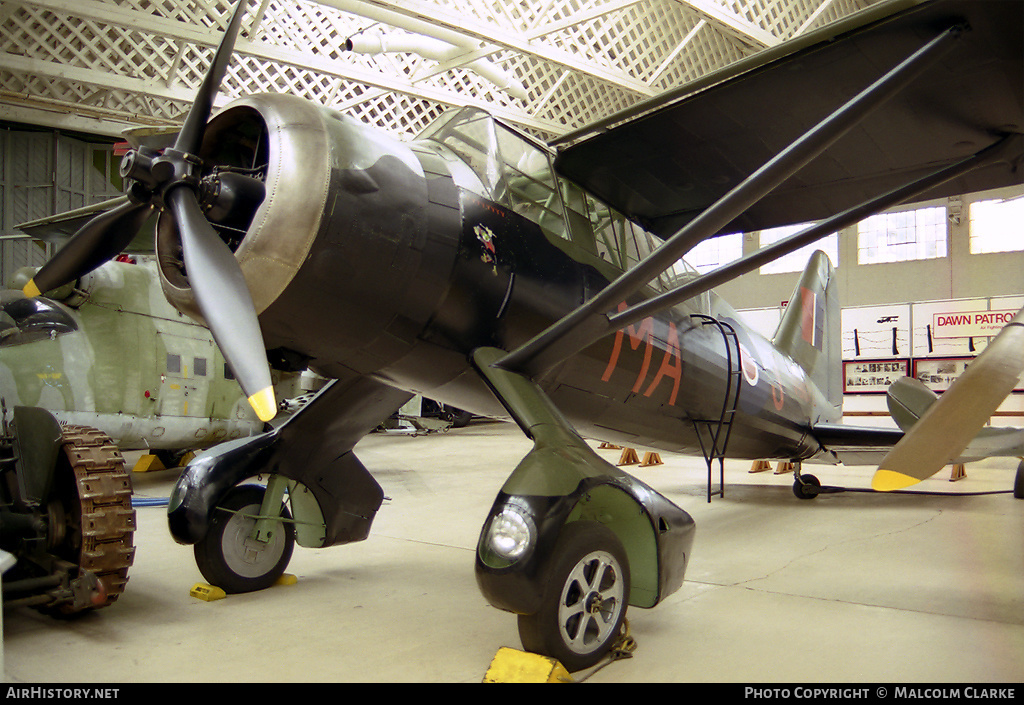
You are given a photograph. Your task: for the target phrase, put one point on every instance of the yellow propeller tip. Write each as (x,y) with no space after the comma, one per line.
(264,404)
(31,290)
(889,480)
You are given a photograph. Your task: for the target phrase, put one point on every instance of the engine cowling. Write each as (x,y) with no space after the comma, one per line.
(347,255)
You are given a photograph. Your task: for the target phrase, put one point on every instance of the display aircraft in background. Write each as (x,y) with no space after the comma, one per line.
(109,352)
(478,267)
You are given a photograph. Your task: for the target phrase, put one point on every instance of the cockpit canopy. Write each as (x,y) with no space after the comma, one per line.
(24,320)
(510,168)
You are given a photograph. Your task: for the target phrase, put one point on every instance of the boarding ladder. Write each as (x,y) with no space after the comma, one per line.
(718,431)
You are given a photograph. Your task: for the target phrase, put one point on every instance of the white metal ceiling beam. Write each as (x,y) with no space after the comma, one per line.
(107,14)
(734,24)
(433,21)
(680,48)
(812,18)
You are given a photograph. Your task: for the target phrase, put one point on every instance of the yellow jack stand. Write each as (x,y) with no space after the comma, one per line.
(783,467)
(148,463)
(609,446)
(650,459)
(760,466)
(151,463)
(959,472)
(628,457)
(512,666)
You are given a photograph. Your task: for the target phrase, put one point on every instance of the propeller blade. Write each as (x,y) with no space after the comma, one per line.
(100,239)
(224,300)
(955,419)
(191,135)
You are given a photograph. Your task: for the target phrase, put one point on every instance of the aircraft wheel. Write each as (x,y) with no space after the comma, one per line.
(585,598)
(807,487)
(228,558)
(1018,482)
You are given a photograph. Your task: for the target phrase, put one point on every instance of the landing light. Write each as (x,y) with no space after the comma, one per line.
(510,534)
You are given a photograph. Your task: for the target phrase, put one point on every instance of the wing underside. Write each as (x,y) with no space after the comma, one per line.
(664,167)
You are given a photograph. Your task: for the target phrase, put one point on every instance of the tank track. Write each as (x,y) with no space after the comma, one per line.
(102,532)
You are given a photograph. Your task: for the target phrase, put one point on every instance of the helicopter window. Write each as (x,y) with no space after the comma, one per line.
(199,366)
(28,320)
(228,373)
(173,363)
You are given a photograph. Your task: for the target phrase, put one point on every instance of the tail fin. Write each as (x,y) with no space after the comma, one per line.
(810,331)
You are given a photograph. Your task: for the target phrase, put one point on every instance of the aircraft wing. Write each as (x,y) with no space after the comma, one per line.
(665,161)
(868,445)
(856,445)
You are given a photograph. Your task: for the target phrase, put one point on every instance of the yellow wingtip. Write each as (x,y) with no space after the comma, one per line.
(889,480)
(31,290)
(264,404)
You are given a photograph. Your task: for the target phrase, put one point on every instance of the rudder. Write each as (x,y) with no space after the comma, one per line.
(809,332)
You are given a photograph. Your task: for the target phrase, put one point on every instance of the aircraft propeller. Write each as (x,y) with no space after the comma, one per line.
(953,421)
(171,180)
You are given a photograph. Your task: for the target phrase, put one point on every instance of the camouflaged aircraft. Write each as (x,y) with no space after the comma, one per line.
(484,269)
(109,352)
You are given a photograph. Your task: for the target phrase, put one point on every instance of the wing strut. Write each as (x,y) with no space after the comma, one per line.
(589,322)
(794,242)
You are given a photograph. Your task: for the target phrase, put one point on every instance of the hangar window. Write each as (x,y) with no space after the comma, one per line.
(715,252)
(28,320)
(995,225)
(797,261)
(902,236)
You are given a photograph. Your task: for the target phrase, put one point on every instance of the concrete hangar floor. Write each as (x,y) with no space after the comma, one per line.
(849,587)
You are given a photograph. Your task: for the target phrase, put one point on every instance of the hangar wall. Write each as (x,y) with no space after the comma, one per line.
(43,172)
(959,275)
(959,281)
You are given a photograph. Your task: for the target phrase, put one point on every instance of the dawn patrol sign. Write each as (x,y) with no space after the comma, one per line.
(969,324)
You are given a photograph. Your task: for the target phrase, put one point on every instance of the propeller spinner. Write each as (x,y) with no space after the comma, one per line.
(171,180)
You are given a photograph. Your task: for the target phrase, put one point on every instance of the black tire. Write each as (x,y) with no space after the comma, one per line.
(586,594)
(1018,481)
(807,487)
(225,558)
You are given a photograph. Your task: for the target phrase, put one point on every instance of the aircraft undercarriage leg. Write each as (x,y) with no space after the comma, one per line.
(805,486)
(250,539)
(571,540)
(244,533)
